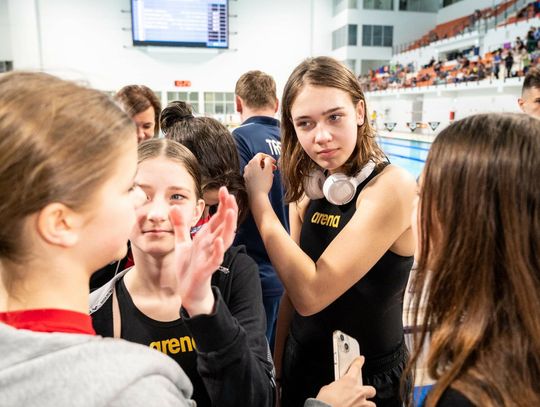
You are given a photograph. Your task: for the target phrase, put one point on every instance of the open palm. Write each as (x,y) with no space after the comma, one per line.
(196,260)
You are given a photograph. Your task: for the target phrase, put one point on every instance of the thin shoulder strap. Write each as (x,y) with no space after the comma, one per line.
(117,322)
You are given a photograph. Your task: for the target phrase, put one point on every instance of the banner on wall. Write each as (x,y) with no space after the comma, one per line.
(390,126)
(434,125)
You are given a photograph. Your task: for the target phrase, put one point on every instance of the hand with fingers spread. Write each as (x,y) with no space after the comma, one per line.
(196,260)
(258,174)
(347,392)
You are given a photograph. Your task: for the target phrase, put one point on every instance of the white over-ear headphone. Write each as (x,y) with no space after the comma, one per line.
(338,188)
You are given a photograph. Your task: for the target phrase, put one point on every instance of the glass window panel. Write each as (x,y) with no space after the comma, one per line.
(388,35)
(208,97)
(219,109)
(208,108)
(171,96)
(366,35)
(377,35)
(353,29)
(378,4)
(422,5)
(230,97)
(230,108)
(195,107)
(194,96)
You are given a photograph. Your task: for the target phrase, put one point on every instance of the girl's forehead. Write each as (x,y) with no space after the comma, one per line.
(312,99)
(309,89)
(164,170)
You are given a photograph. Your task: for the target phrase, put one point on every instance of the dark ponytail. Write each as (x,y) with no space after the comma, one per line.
(175,112)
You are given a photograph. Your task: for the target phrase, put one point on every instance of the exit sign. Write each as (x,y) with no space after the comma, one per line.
(182,84)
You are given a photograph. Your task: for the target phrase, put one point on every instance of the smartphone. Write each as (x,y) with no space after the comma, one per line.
(346,349)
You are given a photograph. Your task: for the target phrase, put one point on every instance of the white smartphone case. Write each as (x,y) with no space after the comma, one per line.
(346,349)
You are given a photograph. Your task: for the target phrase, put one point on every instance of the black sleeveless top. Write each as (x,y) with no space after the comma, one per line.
(371,310)
(171,338)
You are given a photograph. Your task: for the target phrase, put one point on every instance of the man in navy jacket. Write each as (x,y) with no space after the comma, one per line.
(257,103)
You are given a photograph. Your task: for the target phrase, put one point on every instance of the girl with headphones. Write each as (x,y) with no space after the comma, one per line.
(68,159)
(347,261)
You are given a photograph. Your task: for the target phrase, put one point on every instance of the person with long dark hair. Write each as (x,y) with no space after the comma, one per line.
(476,288)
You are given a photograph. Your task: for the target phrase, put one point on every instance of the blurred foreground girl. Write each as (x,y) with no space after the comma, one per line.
(477,286)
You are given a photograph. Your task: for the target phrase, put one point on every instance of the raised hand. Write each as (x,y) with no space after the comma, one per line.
(196,260)
(258,174)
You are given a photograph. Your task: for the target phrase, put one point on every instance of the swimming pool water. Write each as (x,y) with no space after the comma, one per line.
(411,155)
(408,154)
